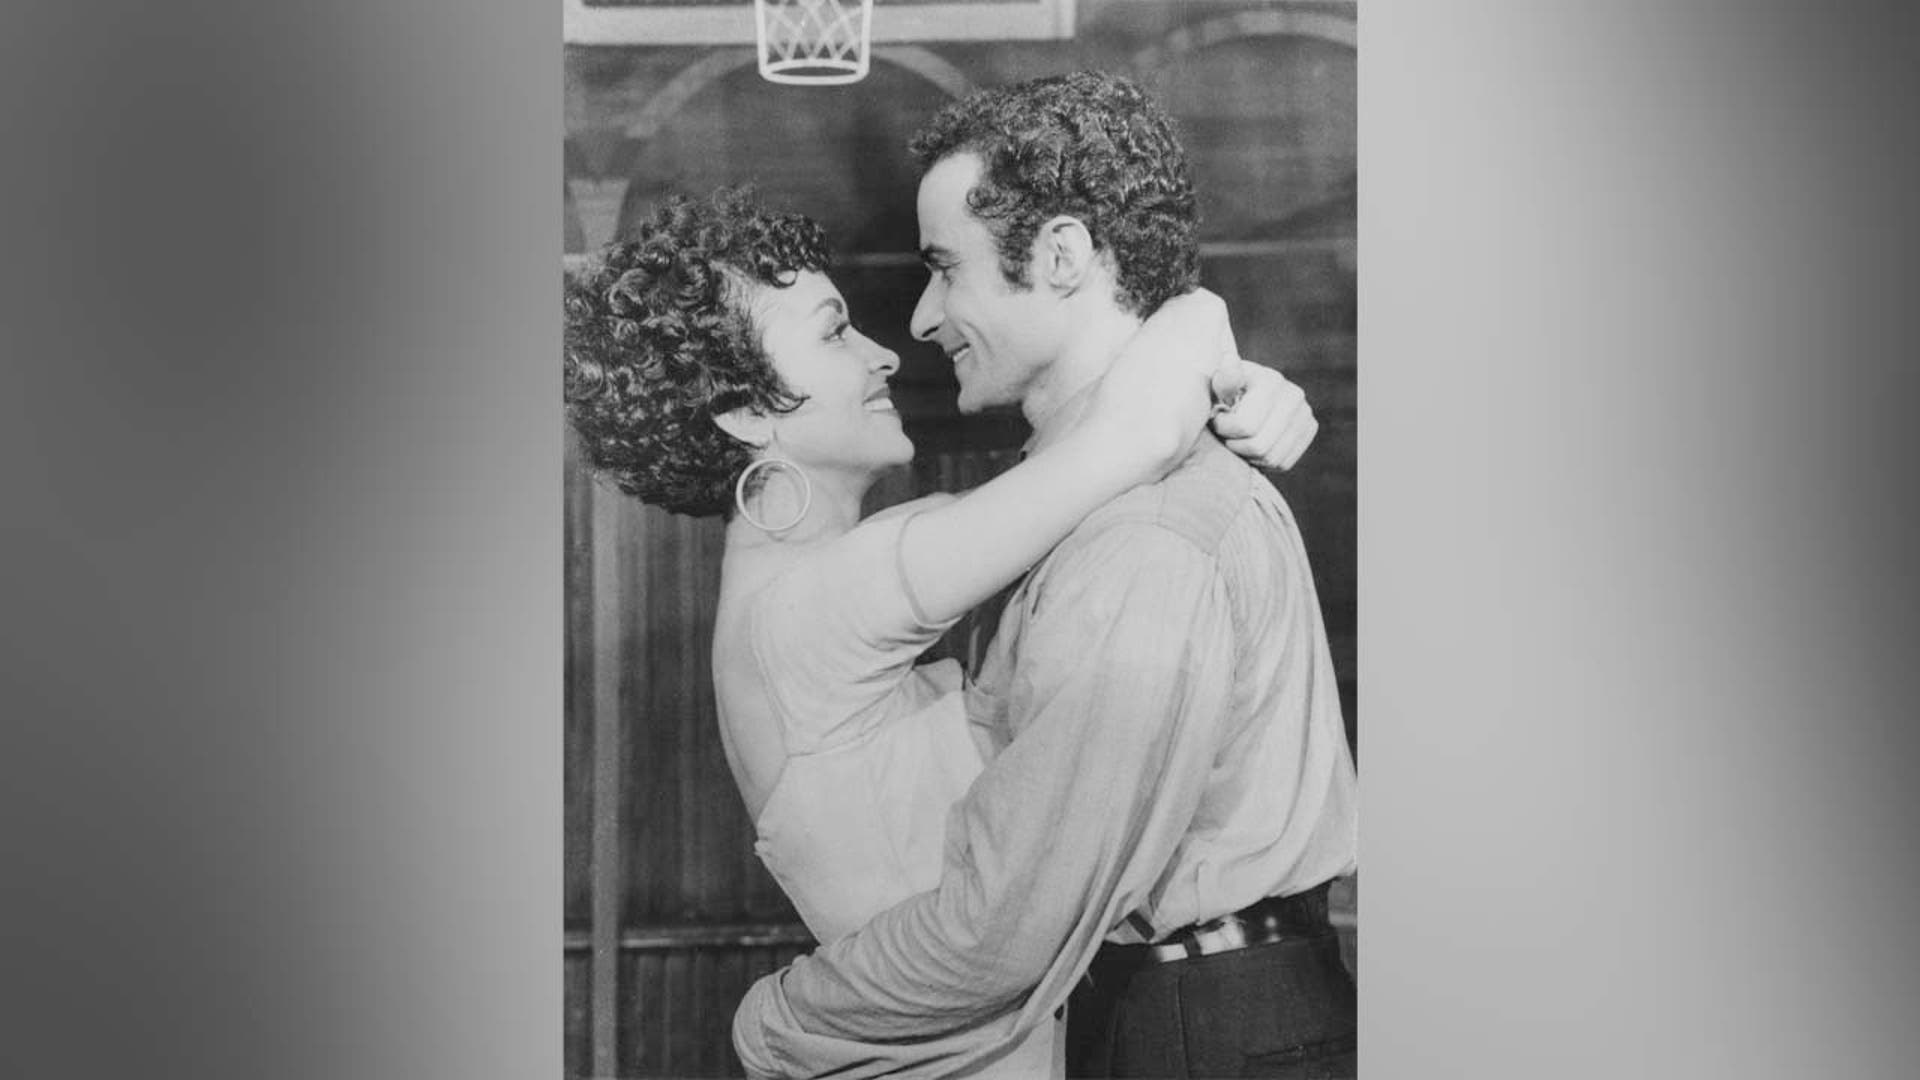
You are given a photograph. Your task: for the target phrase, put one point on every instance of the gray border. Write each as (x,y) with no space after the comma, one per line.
(282,772)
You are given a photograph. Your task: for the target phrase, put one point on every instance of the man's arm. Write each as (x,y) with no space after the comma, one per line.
(1124,672)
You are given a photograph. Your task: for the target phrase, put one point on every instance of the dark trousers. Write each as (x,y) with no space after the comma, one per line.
(1284,1009)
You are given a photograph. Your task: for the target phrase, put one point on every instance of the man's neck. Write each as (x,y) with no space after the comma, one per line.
(1056,400)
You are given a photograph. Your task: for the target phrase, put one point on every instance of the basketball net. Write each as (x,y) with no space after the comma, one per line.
(814,42)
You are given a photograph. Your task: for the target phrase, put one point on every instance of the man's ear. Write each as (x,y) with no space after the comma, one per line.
(1063,249)
(750,426)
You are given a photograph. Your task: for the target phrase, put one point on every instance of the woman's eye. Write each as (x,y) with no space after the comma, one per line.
(840,332)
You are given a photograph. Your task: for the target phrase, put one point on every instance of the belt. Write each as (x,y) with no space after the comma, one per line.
(1299,917)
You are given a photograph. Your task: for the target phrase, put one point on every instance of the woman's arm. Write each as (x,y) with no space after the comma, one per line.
(920,505)
(1144,417)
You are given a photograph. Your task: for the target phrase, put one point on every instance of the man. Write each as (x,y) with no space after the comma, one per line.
(1173,788)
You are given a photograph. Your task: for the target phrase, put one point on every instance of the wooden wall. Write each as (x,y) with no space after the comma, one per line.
(668,914)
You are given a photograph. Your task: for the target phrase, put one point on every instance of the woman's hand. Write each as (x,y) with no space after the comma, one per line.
(1264,417)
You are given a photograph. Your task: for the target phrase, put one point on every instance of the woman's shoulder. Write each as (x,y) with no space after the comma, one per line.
(855,575)
(831,636)
(774,576)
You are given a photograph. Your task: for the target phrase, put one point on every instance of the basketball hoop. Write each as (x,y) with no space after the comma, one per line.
(814,42)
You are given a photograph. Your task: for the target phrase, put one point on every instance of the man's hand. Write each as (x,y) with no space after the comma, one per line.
(1262,416)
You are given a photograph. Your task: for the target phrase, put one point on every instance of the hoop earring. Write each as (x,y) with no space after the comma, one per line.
(740,494)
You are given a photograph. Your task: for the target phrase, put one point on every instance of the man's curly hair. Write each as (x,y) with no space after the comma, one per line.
(1090,145)
(658,343)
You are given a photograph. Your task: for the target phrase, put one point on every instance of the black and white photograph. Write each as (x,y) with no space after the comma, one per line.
(960,539)
(875,538)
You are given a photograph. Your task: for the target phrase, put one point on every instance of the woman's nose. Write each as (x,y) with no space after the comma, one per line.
(885,360)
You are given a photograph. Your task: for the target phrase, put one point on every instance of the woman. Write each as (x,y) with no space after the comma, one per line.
(711,368)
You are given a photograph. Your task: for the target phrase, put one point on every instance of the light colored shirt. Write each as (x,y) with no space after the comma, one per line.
(1173,750)
(877,750)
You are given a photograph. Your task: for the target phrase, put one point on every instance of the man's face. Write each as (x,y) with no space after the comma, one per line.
(1000,338)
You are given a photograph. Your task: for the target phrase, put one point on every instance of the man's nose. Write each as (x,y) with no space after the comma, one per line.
(928,313)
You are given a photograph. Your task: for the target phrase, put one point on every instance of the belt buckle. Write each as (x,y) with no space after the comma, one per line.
(1226,935)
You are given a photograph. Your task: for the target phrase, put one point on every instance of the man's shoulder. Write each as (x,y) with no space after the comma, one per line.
(1198,502)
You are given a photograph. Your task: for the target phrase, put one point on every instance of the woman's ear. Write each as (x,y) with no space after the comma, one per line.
(1064,249)
(750,426)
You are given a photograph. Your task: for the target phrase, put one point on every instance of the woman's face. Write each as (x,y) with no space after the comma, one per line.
(847,421)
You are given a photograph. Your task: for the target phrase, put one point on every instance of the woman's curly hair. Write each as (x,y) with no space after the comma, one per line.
(1091,145)
(658,343)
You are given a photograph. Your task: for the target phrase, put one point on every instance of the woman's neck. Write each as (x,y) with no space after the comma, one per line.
(826,507)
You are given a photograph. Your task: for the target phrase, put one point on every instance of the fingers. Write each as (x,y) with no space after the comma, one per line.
(1264,410)
(1272,424)
(1240,416)
(1229,382)
(1292,445)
